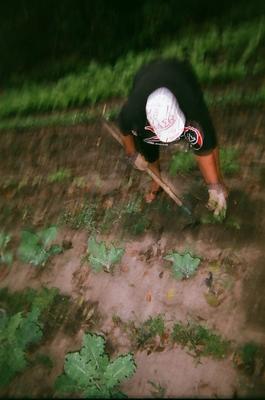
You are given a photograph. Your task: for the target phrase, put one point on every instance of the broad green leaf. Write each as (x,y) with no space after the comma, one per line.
(102,257)
(93,349)
(91,373)
(16,334)
(47,235)
(4,240)
(184,265)
(79,369)
(7,258)
(34,249)
(118,370)
(30,329)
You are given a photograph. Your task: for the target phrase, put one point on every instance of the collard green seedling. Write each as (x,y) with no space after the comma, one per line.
(101,257)
(90,373)
(184,265)
(16,334)
(200,339)
(36,248)
(6,257)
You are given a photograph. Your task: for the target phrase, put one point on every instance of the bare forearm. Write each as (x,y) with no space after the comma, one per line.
(209,167)
(128,143)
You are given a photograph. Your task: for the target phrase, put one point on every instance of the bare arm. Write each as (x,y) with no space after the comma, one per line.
(129,146)
(210,167)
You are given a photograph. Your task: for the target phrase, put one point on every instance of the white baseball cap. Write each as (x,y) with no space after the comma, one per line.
(164,115)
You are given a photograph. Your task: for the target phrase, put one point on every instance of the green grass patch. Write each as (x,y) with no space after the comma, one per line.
(182,163)
(81,218)
(230,55)
(61,175)
(200,340)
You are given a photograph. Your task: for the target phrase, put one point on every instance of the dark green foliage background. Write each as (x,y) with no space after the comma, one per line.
(44,39)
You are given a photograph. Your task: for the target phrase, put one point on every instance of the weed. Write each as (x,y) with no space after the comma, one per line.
(230,222)
(149,329)
(35,248)
(61,175)
(246,356)
(84,218)
(159,391)
(229,161)
(6,257)
(200,339)
(182,162)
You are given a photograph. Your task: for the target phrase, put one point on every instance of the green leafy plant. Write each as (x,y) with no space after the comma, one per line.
(246,356)
(101,257)
(6,257)
(184,265)
(182,162)
(16,334)
(27,299)
(60,175)
(36,248)
(200,339)
(91,373)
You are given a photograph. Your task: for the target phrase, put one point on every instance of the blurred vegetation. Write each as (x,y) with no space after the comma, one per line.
(88,52)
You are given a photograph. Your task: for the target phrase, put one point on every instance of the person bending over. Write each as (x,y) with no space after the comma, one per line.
(166,105)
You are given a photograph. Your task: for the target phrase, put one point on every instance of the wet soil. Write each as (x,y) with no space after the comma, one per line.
(102,195)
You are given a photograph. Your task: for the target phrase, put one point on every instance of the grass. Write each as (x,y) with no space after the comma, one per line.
(200,340)
(82,218)
(233,54)
(184,162)
(61,175)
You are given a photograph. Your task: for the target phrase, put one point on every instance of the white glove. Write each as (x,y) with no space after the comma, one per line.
(217,200)
(138,161)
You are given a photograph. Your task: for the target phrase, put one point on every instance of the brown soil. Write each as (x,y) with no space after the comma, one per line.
(142,284)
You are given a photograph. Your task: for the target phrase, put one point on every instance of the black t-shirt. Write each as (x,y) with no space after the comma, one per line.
(180,79)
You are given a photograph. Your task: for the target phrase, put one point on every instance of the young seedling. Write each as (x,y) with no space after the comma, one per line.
(102,257)
(184,265)
(36,248)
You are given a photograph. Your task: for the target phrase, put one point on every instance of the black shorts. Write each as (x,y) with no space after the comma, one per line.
(149,151)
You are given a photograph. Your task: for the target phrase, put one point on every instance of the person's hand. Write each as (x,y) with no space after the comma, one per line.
(217,200)
(138,161)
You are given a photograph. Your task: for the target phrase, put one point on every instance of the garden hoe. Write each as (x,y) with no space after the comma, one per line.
(194,222)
